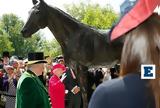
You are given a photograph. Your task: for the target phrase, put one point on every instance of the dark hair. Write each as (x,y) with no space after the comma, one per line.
(142,46)
(5,54)
(1,66)
(112,70)
(1,59)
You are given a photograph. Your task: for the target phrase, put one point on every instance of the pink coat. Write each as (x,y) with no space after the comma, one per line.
(57,92)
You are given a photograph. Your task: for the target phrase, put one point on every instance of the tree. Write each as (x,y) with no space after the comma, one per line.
(5,44)
(12,26)
(93,14)
(51,48)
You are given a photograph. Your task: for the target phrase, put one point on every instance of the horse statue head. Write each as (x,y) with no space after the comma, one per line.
(36,20)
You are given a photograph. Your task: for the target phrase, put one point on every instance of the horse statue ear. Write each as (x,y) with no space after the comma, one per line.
(34,2)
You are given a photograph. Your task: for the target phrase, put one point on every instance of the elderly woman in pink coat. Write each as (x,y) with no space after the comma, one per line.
(56,86)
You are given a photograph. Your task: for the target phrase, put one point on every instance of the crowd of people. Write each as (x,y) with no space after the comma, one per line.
(58,81)
(11,69)
(36,83)
(42,82)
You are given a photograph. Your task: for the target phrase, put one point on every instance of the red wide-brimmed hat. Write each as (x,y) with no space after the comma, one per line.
(134,13)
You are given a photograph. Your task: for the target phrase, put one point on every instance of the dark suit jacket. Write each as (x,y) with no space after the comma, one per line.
(69,81)
(31,93)
(128,92)
(72,100)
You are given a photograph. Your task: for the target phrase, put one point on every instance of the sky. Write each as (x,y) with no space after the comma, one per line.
(21,8)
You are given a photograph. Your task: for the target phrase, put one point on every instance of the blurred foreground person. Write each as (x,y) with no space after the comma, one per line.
(141,46)
(31,92)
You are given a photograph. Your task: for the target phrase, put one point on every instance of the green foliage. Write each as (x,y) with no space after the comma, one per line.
(30,44)
(12,25)
(76,10)
(12,40)
(93,14)
(5,44)
(51,48)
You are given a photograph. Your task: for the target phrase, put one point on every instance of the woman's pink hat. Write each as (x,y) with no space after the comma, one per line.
(56,66)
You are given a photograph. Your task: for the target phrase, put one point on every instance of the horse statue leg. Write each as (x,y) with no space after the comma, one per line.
(82,78)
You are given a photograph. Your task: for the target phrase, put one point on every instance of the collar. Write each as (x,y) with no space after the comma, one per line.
(29,71)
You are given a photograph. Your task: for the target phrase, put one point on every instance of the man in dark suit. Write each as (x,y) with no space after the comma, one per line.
(31,92)
(73,95)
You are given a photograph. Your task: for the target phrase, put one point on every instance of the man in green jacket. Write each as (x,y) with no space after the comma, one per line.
(31,93)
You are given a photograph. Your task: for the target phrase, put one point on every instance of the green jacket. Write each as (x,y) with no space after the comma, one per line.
(31,93)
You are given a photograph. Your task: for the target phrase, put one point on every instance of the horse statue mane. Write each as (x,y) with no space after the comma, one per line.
(82,45)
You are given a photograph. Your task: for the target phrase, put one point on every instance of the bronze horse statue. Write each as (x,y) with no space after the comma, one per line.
(82,45)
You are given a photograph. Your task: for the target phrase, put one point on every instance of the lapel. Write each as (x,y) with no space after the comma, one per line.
(37,80)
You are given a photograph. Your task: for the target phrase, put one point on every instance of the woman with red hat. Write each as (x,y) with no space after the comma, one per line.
(141,46)
(56,86)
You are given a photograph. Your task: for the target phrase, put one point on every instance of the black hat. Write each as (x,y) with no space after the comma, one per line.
(36,57)
(5,54)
